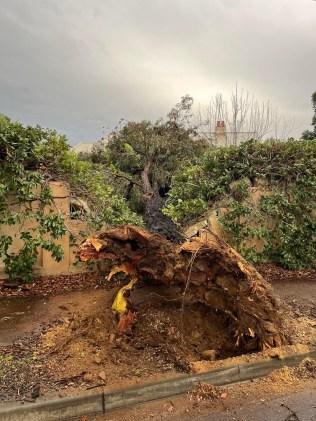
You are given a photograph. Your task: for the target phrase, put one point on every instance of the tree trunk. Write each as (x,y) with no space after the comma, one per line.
(208,271)
(155,220)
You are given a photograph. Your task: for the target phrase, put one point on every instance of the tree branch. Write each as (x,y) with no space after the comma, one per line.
(127,178)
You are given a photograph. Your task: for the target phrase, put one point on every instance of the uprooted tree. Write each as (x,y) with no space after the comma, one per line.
(145,155)
(208,272)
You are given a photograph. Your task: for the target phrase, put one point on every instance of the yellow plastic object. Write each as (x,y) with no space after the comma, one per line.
(97,243)
(120,304)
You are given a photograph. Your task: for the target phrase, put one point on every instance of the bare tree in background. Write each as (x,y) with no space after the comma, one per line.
(245,118)
(282,126)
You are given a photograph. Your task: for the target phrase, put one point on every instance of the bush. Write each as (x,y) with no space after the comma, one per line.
(222,178)
(22,184)
(29,157)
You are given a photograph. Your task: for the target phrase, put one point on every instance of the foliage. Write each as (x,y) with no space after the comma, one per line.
(311,134)
(291,241)
(179,166)
(87,180)
(30,157)
(190,193)
(25,200)
(284,171)
(283,223)
(160,147)
(242,222)
(90,182)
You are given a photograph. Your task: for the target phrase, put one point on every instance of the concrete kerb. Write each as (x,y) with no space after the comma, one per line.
(65,408)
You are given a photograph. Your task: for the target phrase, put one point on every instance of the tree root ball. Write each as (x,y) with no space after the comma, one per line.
(206,269)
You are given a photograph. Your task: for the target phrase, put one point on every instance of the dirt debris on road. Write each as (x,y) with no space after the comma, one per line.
(209,402)
(83,350)
(206,392)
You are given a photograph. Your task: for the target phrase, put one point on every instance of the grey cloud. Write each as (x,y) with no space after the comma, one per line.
(79,65)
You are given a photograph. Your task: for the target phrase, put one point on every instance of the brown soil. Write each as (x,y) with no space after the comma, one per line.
(89,346)
(202,366)
(82,348)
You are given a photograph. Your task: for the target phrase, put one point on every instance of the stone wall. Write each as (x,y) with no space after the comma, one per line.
(45,264)
(210,220)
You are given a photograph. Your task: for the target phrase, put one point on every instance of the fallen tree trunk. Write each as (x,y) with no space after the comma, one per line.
(208,271)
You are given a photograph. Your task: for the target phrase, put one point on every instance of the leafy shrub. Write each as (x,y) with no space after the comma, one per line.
(91,182)
(22,185)
(223,177)
(29,157)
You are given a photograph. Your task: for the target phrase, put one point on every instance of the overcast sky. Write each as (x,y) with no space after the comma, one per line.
(79,65)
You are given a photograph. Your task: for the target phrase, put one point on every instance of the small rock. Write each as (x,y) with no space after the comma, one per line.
(209,354)
(102,375)
(88,377)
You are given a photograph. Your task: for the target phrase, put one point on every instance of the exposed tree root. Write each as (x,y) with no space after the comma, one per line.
(207,270)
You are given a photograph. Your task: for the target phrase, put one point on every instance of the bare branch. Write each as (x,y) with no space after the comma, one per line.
(244,117)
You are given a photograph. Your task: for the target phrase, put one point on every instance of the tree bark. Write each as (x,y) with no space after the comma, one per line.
(155,220)
(147,188)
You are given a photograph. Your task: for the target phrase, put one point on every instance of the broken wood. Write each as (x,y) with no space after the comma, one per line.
(208,271)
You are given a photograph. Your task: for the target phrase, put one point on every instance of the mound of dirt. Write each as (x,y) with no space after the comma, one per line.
(84,350)
(163,339)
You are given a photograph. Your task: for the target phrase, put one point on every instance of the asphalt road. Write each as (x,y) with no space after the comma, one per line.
(299,406)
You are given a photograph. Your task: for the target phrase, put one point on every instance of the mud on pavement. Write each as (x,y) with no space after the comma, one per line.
(78,348)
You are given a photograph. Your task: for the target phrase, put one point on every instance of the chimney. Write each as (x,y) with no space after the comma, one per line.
(220,133)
